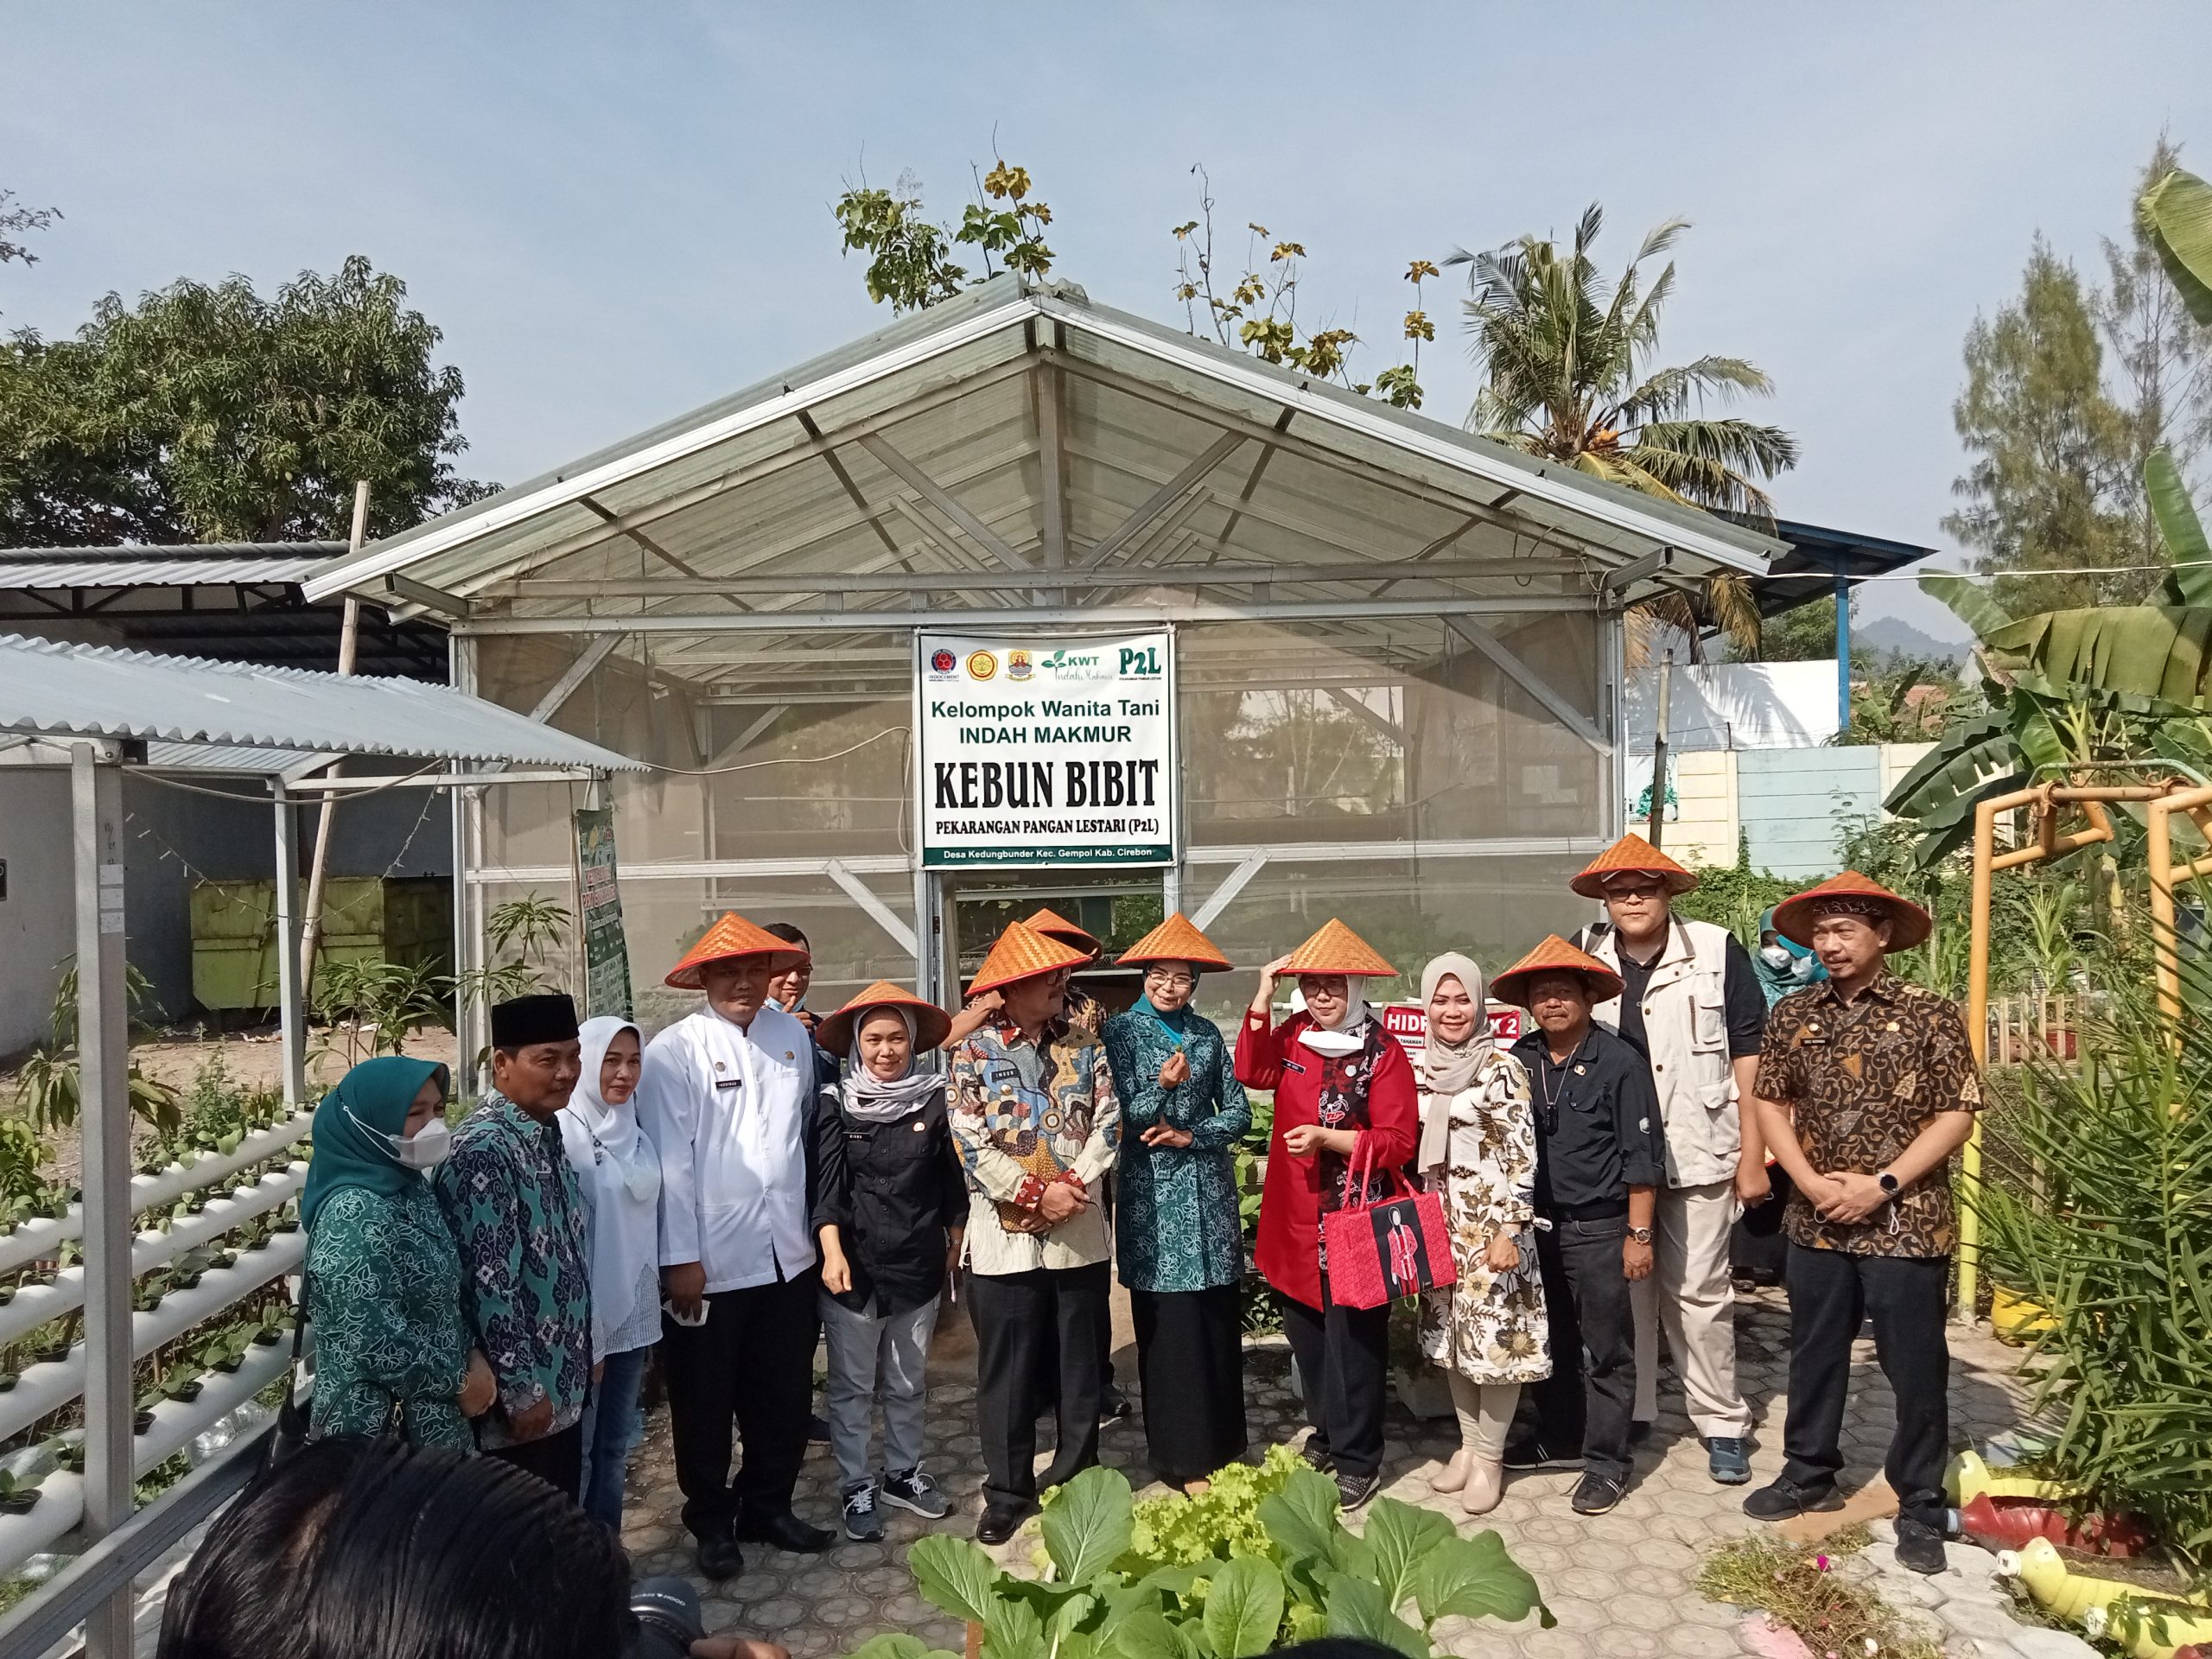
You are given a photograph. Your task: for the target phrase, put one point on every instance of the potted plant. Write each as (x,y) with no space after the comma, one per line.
(8,1379)
(18,1492)
(142,1419)
(181,1384)
(273,1327)
(53,1354)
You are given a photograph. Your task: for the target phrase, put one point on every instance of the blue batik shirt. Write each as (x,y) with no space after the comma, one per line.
(521,1228)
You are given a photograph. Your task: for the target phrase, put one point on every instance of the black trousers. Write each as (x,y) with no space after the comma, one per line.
(1022,1321)
(1587,1399)
(1191,1366)
(556,1460)
(1343,1366)
(751,1363)
(1756,1245)
(1830,1292)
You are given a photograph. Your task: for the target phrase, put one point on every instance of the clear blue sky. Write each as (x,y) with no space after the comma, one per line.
(617,211)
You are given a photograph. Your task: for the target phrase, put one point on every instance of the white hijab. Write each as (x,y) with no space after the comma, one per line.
(619,1173)
(1348,1034)
(868,1098)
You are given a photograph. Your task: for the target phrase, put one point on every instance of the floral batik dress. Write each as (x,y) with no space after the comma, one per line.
(1489,1327)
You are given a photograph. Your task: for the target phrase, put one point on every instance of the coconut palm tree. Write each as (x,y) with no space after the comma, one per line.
(1566,358)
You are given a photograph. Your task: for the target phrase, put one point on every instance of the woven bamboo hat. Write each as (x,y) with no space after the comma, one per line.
(1176,939)
(932,1023)
(1555,956)
(1021,953)
(1053,926)
(726,940)
(1852,895)
(1337,950)
(1631,854)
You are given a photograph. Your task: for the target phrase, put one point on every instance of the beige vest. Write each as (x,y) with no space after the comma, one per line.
(1686,1029)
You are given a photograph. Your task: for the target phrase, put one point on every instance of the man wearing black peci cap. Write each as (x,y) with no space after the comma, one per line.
(519,1225)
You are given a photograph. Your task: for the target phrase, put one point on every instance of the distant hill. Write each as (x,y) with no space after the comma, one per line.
(1896,636)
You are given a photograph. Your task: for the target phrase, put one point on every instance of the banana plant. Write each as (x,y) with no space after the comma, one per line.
(2069,690)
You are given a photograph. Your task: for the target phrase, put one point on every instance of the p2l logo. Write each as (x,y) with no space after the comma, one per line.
(1140,659)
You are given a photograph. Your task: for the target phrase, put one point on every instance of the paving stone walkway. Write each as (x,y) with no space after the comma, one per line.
(1621,1584)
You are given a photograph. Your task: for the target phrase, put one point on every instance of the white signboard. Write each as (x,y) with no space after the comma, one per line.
(1046,751)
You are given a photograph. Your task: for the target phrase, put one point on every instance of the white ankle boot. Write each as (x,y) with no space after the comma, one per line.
(1484,1484)
(1453,1475)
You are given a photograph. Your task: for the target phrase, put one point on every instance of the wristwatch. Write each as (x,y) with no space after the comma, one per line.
(1890,1184)
(1639,1235)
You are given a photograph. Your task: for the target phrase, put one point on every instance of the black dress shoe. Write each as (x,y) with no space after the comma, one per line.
(1783,1497)
(1596,1494)
(784,1530)
(1920,1548)
(719,1557)
(1001,1522)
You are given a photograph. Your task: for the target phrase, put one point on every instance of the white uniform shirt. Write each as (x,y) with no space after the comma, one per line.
(725,1105)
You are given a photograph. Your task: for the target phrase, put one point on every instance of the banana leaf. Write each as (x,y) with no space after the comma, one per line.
(2177,212)
(2152,651)
(2180,528)
(1972,605)
(1952,767)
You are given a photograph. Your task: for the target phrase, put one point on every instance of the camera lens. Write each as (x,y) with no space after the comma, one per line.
(669,1618)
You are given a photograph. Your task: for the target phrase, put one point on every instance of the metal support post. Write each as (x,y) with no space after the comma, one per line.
(1842,649)
(291,1010)
(1653,829)
(103,1064)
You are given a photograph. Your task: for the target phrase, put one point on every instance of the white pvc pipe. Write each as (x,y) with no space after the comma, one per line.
(48,1388)
(34,1241)
(60,1504)
(34,1305)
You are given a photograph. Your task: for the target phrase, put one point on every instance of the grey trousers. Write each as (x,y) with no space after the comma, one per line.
(873,1357)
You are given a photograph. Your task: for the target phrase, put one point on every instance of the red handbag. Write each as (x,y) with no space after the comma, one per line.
(1379,1252)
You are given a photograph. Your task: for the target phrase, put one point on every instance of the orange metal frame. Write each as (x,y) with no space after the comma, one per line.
(2160,802)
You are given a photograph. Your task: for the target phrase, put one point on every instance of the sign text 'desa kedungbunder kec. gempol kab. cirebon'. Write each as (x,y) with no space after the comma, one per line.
(1044,751)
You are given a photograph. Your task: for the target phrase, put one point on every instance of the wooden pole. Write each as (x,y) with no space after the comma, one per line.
(1652,829)
(349,640)
(1985,849)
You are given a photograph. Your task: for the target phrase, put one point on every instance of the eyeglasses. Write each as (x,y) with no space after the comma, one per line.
(1171,982)
(1635,890)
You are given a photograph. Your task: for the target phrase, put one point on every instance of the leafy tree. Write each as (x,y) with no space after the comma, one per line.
(1803,633)
(15,221)
(910,257)
(1566,354)
(215,414)
(1258,311)
(2047,486)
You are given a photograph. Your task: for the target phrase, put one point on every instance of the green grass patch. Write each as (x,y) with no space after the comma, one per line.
(1801,1587)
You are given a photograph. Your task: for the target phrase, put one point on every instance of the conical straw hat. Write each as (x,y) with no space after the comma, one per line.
(1020,954)
(1854,894)
(1630,853)
(1337,950)
(931,1022)
(1176,939)
(1053,926)
(728,938)
(1555,956)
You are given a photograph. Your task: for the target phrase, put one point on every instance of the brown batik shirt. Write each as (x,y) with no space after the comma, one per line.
(1862,1079)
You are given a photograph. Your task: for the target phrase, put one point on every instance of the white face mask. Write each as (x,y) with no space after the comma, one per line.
(1775,957)
(426,1149)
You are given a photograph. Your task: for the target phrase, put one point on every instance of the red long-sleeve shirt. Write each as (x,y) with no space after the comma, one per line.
(1288,1253)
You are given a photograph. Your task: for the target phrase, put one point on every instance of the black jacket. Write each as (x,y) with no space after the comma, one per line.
(1598,1131)
(891,1190)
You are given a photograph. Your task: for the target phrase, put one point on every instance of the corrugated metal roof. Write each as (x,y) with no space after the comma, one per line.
(164,567)
(726,463)
(56,689)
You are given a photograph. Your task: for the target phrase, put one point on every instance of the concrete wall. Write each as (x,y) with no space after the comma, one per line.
(1790,805)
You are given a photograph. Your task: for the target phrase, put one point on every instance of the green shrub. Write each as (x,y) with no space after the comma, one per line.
(1270,1563)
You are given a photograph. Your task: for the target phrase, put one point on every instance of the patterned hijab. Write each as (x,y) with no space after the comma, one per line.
(371,1101)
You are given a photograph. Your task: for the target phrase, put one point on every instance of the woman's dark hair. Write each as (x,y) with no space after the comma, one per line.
(375,1549)
(788,934)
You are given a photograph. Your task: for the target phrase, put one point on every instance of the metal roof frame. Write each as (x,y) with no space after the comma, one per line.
(1066,453)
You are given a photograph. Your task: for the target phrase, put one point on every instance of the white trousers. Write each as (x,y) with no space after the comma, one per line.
(1690,1296)
(1485,1412)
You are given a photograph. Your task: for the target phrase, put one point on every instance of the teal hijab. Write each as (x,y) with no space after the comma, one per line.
(371,1100)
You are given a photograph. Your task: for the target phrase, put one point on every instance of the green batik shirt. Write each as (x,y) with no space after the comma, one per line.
(384,1297)
(520,1226)
(1175,1214)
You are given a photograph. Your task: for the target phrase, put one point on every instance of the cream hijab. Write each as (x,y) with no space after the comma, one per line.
(619,1173)
(1443,1068)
